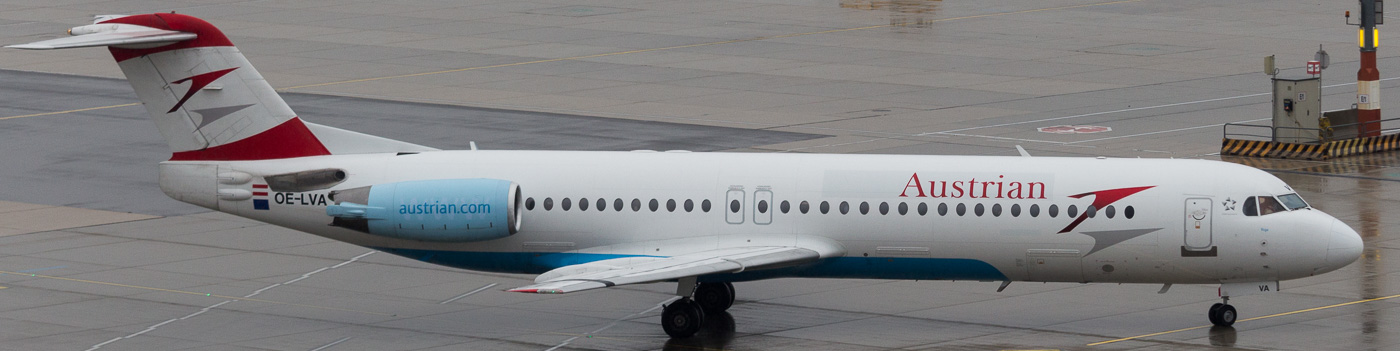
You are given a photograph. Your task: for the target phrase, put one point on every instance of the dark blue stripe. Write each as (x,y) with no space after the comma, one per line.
(906,268)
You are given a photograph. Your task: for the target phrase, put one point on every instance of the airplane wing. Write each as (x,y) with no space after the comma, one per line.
(636,270)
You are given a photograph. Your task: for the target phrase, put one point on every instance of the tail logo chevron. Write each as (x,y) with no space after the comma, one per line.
(198,82)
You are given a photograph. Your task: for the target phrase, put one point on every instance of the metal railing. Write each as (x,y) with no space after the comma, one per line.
(1246,131)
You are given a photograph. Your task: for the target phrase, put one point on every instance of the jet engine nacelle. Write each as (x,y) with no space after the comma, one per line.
(445,210)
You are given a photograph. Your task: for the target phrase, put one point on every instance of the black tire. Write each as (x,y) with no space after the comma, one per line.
(1226,316)
(714,297)
(682,319)
(1214,313)
(732,294)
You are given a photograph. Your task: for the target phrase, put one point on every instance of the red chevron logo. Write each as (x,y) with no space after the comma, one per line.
(1102,198)
(199,81)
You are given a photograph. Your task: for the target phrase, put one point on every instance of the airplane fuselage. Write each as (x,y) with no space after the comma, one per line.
(885,216)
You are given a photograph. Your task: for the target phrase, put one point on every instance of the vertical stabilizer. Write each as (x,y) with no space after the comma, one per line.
(207,100)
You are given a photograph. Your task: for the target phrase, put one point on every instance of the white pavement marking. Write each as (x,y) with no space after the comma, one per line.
(210,307)
(954,132)
(326,346)
(1163,131)
(614,323)
(467,294)
(1129,110)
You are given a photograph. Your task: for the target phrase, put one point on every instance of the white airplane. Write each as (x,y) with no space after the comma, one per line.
(588,220)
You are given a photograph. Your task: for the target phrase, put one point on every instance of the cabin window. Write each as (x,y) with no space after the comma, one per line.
(845,207)
(1073,211)
(1292,201)
(785,206)
(671,205)
(962,209)
(617,205)
(903,208)
(1091,211)
(603,204)
(564,204)
(1015,210)
(530,204)
(689,205)
(734,206)
(762,206)
(824,207)
(705,206)
(636,205)
(942,209)
(864,207)
(884,208)
(1054,211)
(923,209)
(803,207)
(978,210)
(1128,212)
(996,210)
(1035,210)
(583,204)
(653,205)
(1109,211)
(548,204)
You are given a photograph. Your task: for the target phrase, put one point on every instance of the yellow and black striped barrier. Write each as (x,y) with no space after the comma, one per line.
(1265,148)
(1323,151)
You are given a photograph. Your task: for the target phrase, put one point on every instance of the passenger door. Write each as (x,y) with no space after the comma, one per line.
(1198,233)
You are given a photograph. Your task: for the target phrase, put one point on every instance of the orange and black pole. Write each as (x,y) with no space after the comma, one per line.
(1368,79)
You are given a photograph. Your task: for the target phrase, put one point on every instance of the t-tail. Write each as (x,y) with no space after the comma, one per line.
(209,103)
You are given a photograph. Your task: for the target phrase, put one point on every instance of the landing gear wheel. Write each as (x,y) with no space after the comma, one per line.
(1222,315)
(683,318)
(714,297)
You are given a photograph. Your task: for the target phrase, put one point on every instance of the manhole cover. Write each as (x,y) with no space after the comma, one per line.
(1074,129)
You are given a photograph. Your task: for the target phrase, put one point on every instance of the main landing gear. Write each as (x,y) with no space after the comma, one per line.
(1222,314)
(683,318)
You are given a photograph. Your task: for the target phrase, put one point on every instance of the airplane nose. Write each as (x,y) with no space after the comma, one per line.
(1344,247)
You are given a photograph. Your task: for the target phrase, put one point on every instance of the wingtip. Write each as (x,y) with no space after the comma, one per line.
(537,291)
(29,47)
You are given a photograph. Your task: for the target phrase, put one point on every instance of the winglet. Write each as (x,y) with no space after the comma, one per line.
(1022,151)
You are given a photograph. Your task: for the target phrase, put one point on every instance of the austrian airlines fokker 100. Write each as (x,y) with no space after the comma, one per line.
(588,220)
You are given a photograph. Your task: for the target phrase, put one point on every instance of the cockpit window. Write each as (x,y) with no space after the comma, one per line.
(1292,201)
(1251,207)
(1268,205)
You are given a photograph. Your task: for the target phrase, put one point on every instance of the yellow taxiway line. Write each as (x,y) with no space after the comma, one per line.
(69,111)
(1247,319)
(188,292)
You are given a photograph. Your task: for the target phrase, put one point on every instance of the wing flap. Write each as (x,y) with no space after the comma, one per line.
(630,270)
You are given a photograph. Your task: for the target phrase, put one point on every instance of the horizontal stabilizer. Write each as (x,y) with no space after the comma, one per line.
(144,38)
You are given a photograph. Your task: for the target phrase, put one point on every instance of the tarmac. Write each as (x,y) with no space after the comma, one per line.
(94,257)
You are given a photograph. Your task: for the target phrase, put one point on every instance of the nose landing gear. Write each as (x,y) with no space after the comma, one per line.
(683,318)
(1222,314)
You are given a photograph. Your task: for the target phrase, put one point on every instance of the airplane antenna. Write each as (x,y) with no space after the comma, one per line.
(473,144)
(1022,151)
